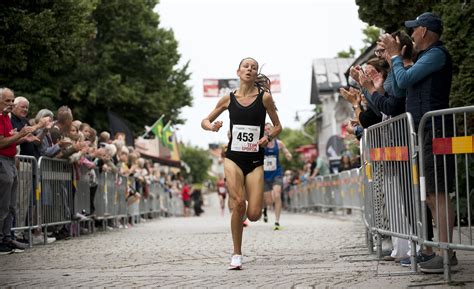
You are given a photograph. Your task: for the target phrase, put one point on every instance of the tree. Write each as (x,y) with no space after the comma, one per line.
(458,30)
(390,15)
(371,34)
(129,67)
(40,43)
(94,56)
(198,161)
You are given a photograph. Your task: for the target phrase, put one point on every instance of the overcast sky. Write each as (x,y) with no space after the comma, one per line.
(284,35)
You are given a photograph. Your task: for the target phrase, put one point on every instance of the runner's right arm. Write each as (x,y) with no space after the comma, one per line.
(208,123)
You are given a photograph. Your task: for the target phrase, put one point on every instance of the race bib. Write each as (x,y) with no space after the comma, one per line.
(270,163)
(245,138)
(221,190)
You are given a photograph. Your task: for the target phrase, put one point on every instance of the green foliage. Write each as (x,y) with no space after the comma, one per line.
(346,54)
(39,44)
(371,34)
(390,15)
(458,24)
(293,139)
(130,67)
(198,160)
(93,56)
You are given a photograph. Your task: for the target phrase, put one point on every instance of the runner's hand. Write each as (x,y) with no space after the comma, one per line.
(215,126)
(263,141)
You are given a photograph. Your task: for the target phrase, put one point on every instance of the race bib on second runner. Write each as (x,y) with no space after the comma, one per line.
(245,138)
(270,163)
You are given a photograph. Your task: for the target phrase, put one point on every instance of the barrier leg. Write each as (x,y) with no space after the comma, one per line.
(414,266)
(378,238)
(369,241)
(30,237)
(447,269)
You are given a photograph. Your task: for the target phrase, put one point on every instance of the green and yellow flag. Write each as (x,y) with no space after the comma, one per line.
(157,128)
(167,135)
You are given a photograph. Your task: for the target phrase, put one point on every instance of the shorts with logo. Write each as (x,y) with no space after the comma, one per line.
(246,164)
(268,184)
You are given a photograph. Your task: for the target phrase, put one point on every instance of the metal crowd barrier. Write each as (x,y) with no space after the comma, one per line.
(27,213)
(393,197)
(391,158)
(336,192)
(57,199)
(52,192)
(104,197)
(369,218)
(446,139)
(82,197)
(120,193)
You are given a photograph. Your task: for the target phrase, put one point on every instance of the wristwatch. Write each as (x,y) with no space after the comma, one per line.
(269,137)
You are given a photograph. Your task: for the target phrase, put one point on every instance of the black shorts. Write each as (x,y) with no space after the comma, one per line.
(246,164)
(442,173)
(268,184)
(187,203)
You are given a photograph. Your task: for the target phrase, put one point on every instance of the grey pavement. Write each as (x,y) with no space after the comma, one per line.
(312,251)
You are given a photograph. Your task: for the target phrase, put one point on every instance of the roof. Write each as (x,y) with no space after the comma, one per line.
(328,76)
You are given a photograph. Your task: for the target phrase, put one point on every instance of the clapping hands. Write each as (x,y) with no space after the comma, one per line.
(352,95)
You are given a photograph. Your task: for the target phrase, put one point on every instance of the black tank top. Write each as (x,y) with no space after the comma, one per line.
(244,120)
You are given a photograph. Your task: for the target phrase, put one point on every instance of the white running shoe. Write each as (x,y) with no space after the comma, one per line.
(236,262)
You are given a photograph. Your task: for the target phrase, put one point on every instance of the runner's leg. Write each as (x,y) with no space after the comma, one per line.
(254,187)
(235,185)
(276,192)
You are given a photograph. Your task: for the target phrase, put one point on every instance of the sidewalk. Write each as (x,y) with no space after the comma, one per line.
(312,251)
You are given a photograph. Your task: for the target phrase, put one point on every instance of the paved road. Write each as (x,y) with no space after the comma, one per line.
(318,251)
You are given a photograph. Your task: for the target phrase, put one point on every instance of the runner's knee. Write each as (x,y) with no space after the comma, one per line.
(238,203)
(254,215)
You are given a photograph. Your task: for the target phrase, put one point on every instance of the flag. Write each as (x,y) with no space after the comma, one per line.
(118,125)
(175,152)
(157,127)
(167,135)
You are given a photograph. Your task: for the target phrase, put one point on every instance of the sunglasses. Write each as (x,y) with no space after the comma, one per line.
(379,52)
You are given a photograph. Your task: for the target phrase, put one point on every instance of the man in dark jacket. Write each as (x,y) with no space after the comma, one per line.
(428,84)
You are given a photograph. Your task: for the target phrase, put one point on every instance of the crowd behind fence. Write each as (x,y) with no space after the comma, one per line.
(391,186)
(52,193)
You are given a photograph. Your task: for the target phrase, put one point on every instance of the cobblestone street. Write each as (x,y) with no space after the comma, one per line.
(319,251)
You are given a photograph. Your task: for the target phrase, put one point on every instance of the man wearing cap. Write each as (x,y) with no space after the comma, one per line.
(428,84)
